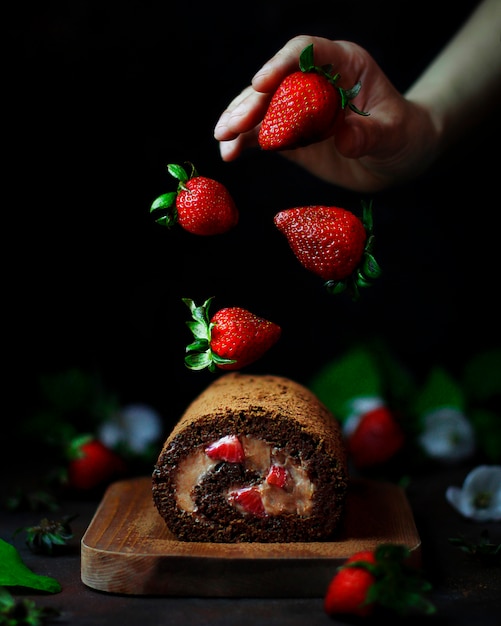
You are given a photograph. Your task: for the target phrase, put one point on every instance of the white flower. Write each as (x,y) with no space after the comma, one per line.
(136,426)
(480,497)
(448,435)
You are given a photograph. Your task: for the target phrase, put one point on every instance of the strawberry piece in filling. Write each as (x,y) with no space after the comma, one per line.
(277,476)
(284,487)
(227,448)
(248,500)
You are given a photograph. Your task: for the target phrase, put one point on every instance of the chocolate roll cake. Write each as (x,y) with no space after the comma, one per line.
(254,458)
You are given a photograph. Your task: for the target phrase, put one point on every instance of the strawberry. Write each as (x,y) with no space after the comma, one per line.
(92,464)
(277,476)
(201,205)
(226,448)
(348,591)
(378,579)
(305,106)
(376,439)
(233,338)
(249,500)
(333,243)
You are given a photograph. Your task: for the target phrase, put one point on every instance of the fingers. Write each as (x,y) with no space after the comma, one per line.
(284,62)
(238,126)
(242,114)
(231,149)
(245,112)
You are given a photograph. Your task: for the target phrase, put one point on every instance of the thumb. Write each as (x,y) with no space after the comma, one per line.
(356,136)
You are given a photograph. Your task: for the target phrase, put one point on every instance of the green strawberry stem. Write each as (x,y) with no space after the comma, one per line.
(166,203)
(307,64)
(199,353)
(368,269)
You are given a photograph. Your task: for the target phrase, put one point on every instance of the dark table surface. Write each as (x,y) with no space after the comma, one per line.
(465,590)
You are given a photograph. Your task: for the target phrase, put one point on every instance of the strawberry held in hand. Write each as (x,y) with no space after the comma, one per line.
(333,243)
(305,107)
(230,340)
(201,205)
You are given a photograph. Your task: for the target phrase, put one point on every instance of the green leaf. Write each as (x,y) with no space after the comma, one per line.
(306,59)
(199,345)
(23,612)
(177,171)
(370,267)
(367,218)
(14,573)
(440,390)
(335,287)
(199,330)
(198,361)
(354,91)
(354,375)
(165,201)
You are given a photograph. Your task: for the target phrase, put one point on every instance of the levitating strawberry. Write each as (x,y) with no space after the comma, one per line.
(230,340)
(333,243)
(305,106)
(378,579)
(376,438)
(92,464)
(202,206)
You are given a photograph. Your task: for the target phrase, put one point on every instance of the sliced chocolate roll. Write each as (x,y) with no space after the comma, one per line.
(254,458)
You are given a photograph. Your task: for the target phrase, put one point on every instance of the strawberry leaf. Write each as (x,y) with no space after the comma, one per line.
(307,64)
(200,354)
(167,203)
(178,172)
(199,361)
(306,59)
(24,611)
(199,330)
(200,345)
(370,267)
(399,587)
(164,201)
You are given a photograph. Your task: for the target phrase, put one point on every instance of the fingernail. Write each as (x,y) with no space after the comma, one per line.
(221,123)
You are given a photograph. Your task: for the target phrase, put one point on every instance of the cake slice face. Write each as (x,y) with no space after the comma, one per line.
(288,490)
(254,458)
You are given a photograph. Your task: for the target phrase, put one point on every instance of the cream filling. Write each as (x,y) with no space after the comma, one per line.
(294,497)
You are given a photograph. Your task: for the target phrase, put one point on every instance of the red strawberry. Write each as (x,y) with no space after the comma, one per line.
(376,439)
(305,106)
(226,448)
(348,590)
(201,205)
(380,578)
(92,464)
(333,243)
(249,500)
(277,476)
(230,340)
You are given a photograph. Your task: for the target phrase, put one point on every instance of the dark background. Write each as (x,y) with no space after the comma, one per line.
(100,96)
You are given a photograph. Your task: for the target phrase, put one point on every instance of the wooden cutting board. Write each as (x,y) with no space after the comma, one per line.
(127,548)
